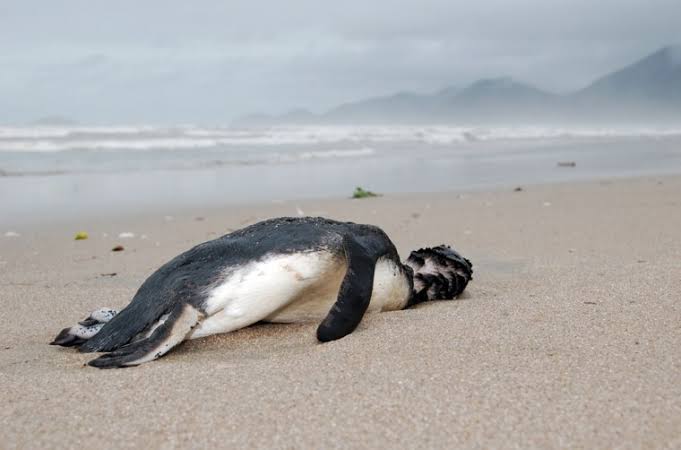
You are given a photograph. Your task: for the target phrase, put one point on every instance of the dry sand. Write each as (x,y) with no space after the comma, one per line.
(568,337)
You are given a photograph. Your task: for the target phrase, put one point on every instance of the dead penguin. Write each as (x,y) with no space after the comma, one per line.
(281,270)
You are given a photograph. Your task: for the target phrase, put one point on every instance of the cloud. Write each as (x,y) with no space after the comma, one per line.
(173,60)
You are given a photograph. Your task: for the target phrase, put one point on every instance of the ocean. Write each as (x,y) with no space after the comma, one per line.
(61,172)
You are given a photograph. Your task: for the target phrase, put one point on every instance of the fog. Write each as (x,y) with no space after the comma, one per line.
(212,61)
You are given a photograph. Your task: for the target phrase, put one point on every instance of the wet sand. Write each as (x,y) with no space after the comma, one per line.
(569,335)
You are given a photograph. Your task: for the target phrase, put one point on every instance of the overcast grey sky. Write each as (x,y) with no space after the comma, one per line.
(172,61)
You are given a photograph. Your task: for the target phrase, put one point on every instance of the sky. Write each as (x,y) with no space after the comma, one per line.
(211,61)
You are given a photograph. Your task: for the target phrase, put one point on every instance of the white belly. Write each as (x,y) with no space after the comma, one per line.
(391,289)
(262,288)
(299,287)
(390,292)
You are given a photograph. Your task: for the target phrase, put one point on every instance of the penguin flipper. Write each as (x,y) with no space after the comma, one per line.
(354,295)
(182,319)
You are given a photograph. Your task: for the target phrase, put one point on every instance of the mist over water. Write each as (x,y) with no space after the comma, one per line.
(60,172)
(442,96)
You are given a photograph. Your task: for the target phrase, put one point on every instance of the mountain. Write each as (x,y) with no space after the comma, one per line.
(649,86)
(649,89)
(498,99)
(654,78)
(400,107)
(484,98)
(500,91)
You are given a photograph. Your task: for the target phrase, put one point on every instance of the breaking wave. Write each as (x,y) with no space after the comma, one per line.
(220,160)
(141,138)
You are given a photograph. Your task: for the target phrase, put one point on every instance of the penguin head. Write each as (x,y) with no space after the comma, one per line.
(439,273)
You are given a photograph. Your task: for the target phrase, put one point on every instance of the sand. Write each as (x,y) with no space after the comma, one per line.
(568,337)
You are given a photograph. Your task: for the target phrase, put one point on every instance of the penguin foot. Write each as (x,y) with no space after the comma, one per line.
(85,329)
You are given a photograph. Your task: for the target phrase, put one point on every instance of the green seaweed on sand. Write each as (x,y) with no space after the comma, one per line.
(362,193)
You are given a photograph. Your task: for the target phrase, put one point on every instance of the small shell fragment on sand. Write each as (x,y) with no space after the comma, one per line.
(11,234)
(81,236)
(126,235)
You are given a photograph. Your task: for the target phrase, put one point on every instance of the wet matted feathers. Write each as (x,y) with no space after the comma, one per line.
(439,273)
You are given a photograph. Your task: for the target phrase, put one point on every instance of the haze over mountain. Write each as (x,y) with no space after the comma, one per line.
(647,90)
(651,86)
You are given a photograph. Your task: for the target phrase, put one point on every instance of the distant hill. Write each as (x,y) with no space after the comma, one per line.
(649,86)
(649,89)
(400,107)
(498,99)
(500,91)
(654,78)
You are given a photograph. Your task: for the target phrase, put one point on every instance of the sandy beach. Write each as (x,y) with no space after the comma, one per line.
(569,335)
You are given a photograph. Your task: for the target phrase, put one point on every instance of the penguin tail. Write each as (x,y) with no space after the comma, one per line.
(171,331)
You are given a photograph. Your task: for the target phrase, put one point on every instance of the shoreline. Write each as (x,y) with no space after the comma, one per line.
(124,182)
(568,335)
(292,207)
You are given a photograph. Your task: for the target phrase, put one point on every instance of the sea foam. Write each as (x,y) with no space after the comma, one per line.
(141,138)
